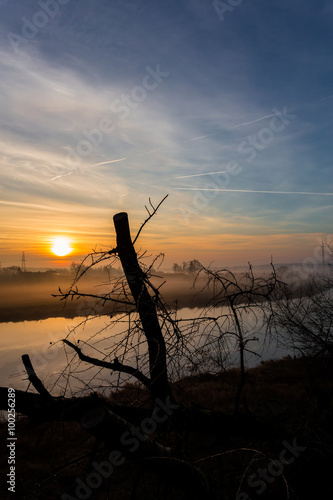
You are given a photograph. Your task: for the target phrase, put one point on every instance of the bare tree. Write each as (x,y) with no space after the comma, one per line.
(151,319)
(302,316)
(236,314)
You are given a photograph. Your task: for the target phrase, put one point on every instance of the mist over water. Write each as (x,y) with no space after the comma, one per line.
(28,296)
(42,341)
(34,322)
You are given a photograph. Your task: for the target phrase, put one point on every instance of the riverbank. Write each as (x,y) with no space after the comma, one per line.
(282,449)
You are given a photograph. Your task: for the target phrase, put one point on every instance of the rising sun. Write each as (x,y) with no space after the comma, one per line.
(61,246)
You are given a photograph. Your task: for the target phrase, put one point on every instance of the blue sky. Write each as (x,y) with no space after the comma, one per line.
(105,104)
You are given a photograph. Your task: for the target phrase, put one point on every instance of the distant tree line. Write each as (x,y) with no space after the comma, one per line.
(191,267)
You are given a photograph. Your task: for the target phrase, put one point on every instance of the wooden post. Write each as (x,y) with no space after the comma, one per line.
(160,387)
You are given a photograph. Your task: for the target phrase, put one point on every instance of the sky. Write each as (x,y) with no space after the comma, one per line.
(227,107)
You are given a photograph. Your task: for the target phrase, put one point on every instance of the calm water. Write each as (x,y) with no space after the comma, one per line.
(42,341)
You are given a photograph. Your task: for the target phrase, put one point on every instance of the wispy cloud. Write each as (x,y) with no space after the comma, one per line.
(33,205)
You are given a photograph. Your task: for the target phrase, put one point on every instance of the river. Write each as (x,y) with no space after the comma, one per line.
(42,341)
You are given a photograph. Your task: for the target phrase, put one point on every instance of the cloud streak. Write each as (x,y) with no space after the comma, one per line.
(254,121)
(107,162)
(197,175)
(32,205)
(59,176)
(254,191)
(200,137)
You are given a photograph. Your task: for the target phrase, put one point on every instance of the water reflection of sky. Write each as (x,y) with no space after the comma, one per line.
(42,341)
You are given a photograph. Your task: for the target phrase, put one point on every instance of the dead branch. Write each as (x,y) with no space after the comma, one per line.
(34,380)
(151,214)
(104,298)
(115,366)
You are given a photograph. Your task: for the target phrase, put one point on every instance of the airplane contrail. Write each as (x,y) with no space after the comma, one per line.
(61,175)
(148,152)
(254,191)
(85,168)
(200,137)
(105,162)
(235,126)
(254,121)
(196,175)
(325,98)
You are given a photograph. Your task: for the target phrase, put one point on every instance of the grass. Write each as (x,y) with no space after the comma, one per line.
(284,400)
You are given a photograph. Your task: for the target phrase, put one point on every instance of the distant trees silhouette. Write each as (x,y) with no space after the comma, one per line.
(191,267)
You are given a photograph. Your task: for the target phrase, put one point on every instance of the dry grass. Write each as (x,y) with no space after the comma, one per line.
(290,398)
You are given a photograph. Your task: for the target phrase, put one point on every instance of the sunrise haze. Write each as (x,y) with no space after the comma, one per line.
(107,104)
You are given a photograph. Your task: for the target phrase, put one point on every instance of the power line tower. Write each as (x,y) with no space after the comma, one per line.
(23,266)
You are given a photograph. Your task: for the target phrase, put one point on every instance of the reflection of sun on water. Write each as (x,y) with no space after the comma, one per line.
(61,246)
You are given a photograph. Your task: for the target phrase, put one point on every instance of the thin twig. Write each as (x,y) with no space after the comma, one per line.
(150,216)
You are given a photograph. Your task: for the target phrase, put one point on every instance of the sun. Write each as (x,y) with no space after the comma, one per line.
(61,246)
